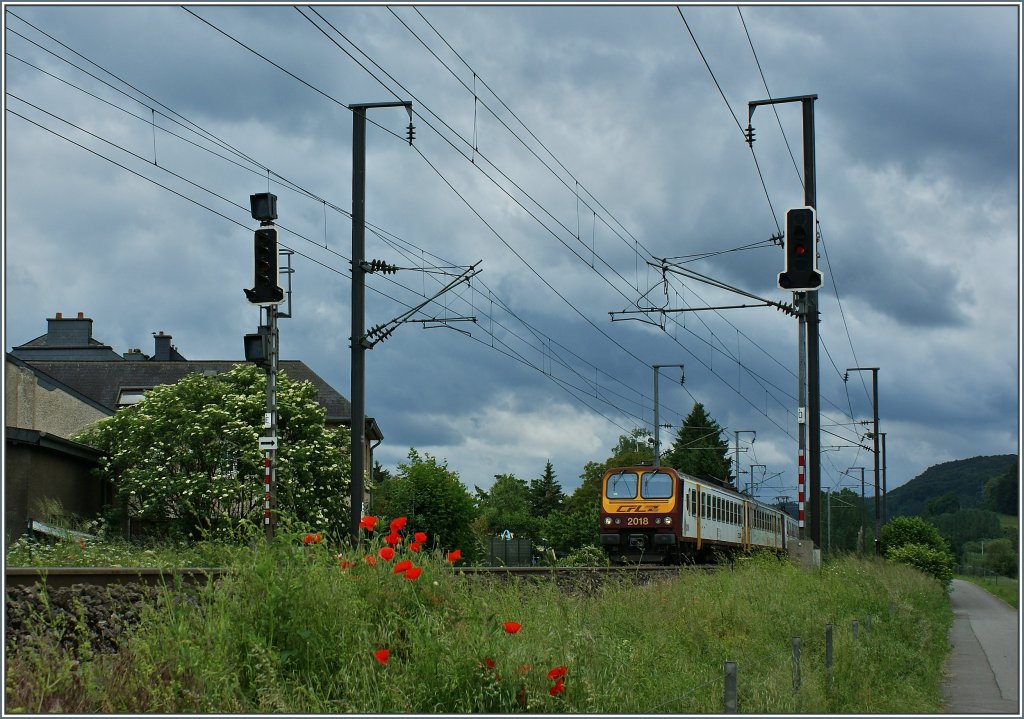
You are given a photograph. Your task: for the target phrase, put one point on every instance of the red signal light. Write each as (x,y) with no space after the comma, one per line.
(800,249)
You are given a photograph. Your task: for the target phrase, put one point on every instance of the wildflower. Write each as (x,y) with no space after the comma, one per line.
(345,564)
(381,655)
(393,539)
(489,663)
(419,537)
(413,573)
(316,538)
(414,546)
(81,543)
(367,523)
(371,560)
(307,539)
(397,524)
(512,627)
(557,689)
(557,673)
(402,566)
(386,553)
(455,556)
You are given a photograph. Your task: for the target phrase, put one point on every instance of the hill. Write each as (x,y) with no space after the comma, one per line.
(966,478)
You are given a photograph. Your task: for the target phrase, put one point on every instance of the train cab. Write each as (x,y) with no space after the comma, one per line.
(640,513)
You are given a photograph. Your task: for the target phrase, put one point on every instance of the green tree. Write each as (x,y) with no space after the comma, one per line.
(699,448)
(912,530)
(631,449)
(943,504)
(546,493)
(434,500)
(1001,557)
(187,459)
(841,526)
(965,525)
(506,505)
(1001,492)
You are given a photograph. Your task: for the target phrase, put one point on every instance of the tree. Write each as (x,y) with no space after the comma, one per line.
(187,459)
(699,448)
(943,504)
(912,530)
(546,493)
(843,523)
(1001,492)
(631,449)
(506,506)
(433,499)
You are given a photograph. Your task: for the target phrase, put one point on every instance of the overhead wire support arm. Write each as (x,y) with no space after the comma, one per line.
(382,331)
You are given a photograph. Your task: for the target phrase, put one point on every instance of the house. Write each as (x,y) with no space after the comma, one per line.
(61,382)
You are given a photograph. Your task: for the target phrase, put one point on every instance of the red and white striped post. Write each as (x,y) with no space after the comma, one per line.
(800,483)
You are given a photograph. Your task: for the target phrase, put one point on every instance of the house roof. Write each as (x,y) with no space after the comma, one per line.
(45,440)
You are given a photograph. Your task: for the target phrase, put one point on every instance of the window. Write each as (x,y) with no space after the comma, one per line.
(621,485)
(128,396)
(655,485)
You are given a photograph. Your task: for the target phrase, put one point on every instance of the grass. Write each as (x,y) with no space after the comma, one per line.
(292,630)
(1005,588)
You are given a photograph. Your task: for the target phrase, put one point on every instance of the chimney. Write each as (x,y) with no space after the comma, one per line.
(162,348)
(61,332)
(135,354)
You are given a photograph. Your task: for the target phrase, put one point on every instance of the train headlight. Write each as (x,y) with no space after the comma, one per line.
(618,521)
(607,520)
(657,520)
(668,520)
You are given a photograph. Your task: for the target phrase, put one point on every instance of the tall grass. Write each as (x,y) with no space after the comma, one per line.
(292,630)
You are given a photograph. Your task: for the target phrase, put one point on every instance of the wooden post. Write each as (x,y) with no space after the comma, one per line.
(828,654)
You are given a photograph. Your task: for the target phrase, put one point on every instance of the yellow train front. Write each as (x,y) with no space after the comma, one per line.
(655,514)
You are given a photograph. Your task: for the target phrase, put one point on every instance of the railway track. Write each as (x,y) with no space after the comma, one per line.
(68,576)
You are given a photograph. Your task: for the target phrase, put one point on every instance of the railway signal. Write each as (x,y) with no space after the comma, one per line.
(801,253)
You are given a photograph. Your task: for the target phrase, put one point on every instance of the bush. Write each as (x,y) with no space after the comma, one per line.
(586,556)
(936,562)
(912,530)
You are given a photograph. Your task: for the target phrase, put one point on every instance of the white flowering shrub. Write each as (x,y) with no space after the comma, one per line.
(187,459)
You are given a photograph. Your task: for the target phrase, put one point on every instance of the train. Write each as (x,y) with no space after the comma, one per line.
(655,514)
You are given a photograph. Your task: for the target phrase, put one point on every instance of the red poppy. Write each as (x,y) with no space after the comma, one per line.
(307,539)
(345,564)
(414,546)
(367,523)
(557,673)
(397,524)
(316,538)
(419,537)
(371,560)
(557,689)
(386,553)
(393,539)
(402,566)
(381,655)
(512,627)
(413,573)
(489,663)
(455,556)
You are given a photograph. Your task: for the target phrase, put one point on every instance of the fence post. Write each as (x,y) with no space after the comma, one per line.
(867,625)
(796,664)
(890,611)
(856,626)
(828,654)
(730,687)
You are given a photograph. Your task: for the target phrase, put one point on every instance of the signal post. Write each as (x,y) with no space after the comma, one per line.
(262,347)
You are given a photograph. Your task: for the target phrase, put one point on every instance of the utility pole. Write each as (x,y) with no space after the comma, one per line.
(874,437)
(885,514)
(358,398)
(736,453)
(861,500)
(805,298)
(657,428)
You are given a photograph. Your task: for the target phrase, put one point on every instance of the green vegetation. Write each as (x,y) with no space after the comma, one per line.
(186,460)
(965,478)
(298,629)
(914,541)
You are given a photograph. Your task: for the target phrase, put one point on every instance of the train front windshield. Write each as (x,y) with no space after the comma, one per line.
(655,485)
(621,485)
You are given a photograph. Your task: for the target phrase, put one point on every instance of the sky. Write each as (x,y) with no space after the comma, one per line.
(591,159)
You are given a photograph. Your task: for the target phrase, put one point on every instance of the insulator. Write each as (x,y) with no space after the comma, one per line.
(749,134)
(410,133)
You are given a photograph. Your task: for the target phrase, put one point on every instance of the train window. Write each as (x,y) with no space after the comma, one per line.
(621,485)
(655,485)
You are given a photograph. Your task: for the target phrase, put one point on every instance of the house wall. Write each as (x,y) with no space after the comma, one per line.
(28,404)
(33,473)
